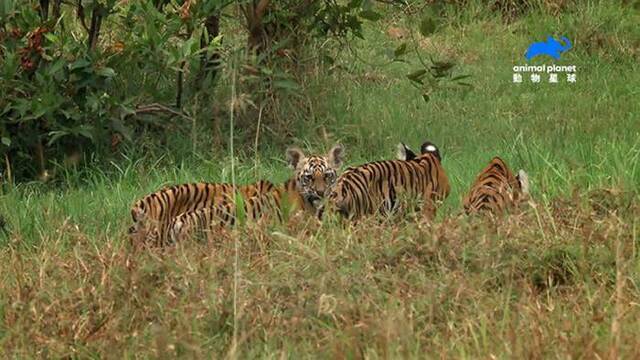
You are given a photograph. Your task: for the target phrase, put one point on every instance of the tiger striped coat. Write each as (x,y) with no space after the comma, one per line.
(206,222)
(496,189)
(155,215)
(376,187)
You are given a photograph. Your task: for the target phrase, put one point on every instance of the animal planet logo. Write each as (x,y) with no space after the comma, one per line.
(553,48)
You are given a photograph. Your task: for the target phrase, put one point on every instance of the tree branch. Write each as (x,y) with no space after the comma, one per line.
(96,24)
(80,14)
(44,9)
(56,8)
(260,10)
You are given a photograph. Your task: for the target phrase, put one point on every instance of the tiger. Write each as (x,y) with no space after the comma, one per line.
(153,213)
(496,189)
(375,187)
(206,222)
(313,175)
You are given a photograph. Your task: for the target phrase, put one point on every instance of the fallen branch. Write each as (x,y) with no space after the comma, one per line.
(155,107)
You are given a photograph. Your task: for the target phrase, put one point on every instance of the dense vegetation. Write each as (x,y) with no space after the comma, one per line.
(102,105)
(90,78)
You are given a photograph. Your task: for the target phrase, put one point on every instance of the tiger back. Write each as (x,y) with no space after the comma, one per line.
(377,186)
(206,222)
(153,213)
(496,189)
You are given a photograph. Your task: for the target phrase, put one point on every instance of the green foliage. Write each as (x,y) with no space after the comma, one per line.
(341,20)
(427,26)
(62,94)
(81,82)
(57,92)
(437,76)
(241,210)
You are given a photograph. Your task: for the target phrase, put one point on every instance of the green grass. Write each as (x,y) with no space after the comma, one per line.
(547,283)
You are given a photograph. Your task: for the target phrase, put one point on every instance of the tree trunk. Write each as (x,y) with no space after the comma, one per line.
(254,13)
(44,9)
(209,62)
(180,84)
(96,24)
(56,9)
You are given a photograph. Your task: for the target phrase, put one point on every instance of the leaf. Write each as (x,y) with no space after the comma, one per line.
(442,68)
(370,15)
(400,50)
(80,63)
(426,97)
(126,110)
(241,215)
(6,141)
(443,65)
(417,75)
(328,59)
(354,4)
(85,131)
(119,126)
(71,114)
(189,47)
(427,26)
(52,38)
(106,72)
(286,84)
(55,136)
(56,66)
(460,77)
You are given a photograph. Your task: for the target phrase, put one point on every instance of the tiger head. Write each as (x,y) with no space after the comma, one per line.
(315,175)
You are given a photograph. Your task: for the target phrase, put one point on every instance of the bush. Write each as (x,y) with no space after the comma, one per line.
(76,76)
(67,92)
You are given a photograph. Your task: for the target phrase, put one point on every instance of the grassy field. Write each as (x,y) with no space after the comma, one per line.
(561,280)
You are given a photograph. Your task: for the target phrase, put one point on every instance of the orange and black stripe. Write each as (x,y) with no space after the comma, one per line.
(375,187)
(206,222)
(496,189)
(198,202)
(153,213)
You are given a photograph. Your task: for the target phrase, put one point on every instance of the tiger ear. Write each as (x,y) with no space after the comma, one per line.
(335,156)
(294,157)
(430,148)
(404,153)
(523,180)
